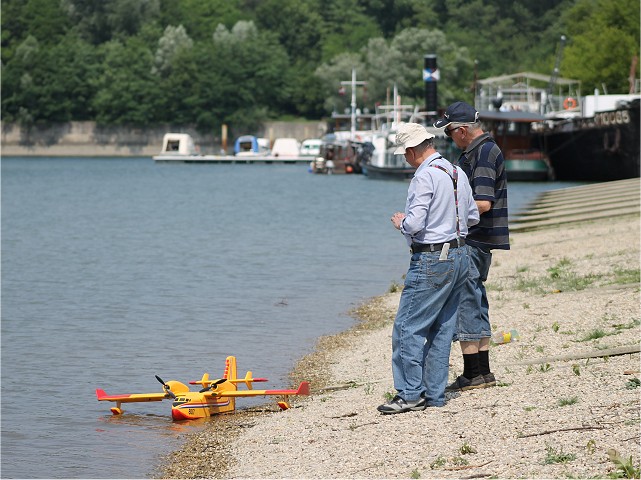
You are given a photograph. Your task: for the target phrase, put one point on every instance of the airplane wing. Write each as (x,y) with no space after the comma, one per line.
(303,389)
(131,397)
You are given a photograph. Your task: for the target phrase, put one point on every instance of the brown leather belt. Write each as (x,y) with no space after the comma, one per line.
(435,247)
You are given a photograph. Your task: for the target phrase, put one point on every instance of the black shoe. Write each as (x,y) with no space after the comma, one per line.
(463,383)
(489,380)
(398,405)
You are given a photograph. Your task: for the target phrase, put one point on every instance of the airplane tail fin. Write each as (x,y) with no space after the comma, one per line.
(230,368)
(303,389)
(249,380)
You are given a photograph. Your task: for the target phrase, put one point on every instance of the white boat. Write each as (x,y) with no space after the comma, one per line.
(180,147)
(286,148)
(249,145)
(311,147)
(383,163)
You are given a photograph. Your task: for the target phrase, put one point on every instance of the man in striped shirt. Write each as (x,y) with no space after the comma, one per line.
(483,163)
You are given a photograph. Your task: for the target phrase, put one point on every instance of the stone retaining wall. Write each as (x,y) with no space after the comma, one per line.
(86,139)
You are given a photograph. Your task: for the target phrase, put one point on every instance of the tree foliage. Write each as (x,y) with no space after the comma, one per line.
(603,39)
(240,62)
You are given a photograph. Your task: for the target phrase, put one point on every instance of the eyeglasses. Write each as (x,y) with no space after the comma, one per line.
(449,131)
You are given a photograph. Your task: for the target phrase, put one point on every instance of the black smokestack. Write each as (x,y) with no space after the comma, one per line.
(431,76)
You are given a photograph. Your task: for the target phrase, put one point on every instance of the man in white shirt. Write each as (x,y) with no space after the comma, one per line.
(437,214)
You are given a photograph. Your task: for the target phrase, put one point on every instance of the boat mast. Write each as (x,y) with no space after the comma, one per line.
(554,77)
(353,84)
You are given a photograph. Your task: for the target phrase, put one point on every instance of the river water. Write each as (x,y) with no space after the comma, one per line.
(115,270)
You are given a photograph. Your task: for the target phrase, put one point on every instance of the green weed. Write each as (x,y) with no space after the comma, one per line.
(546,367)
(626,326)
(460,461)
(557,270)
(529,409)
(522,269)
(415,473)
(590,447)
(439,462)
(466,448)
(394,287)
(593,335)
(557,456)
(625,467)
(576,369)
(624,276)
(555,327)
(633,383)
(563,402)
(573,282)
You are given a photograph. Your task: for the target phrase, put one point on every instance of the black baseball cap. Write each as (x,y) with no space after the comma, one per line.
(459,112)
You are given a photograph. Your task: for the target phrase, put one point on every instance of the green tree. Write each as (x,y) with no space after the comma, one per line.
(201,17)
(170,45)
(337,70)
(127,91)
(346,28)
(100,21)
(603,38)
(297,24)
(505,36)
(43,20)
(399,62)
(253,65)
(454,62)
(54,84)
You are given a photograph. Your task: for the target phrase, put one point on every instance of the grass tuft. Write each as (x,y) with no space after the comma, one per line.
(557,456)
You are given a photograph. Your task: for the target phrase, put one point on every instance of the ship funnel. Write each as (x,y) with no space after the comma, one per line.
(431,76)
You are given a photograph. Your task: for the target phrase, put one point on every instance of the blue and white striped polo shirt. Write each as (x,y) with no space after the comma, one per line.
(484,166)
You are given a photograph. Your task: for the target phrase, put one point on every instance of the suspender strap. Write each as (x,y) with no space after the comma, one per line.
(454,182)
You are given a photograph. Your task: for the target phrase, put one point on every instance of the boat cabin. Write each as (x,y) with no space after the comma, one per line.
(251,145)
(178,144)
(311,147)
(286,147)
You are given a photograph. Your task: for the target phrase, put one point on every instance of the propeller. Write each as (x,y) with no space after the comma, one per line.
(210,387)
(166,387)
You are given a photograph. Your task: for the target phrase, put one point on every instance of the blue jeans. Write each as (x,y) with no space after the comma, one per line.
(425,323)
(474,312)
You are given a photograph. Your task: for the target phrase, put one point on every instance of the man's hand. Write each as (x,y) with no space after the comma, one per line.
(483,206)
(397,219)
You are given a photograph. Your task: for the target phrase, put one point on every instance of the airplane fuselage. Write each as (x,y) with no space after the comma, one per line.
(196,406)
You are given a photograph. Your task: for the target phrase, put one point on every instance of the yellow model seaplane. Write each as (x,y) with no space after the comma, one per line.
(215,397)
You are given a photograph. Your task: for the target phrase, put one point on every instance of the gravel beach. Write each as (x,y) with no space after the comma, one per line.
(567,396)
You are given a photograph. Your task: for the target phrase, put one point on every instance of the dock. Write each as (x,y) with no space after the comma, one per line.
(229,159)
(580,204)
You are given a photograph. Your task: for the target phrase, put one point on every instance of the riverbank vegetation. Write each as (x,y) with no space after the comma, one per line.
(241,62)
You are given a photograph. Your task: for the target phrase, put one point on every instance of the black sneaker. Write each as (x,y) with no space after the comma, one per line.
(398,405)
(489,380)
(463,383)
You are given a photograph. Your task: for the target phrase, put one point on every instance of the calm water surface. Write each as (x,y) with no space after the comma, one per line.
(116,270)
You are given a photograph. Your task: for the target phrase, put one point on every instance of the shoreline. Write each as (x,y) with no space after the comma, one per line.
(569,290)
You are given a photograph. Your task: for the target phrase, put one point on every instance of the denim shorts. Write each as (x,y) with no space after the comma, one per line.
(473,320)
